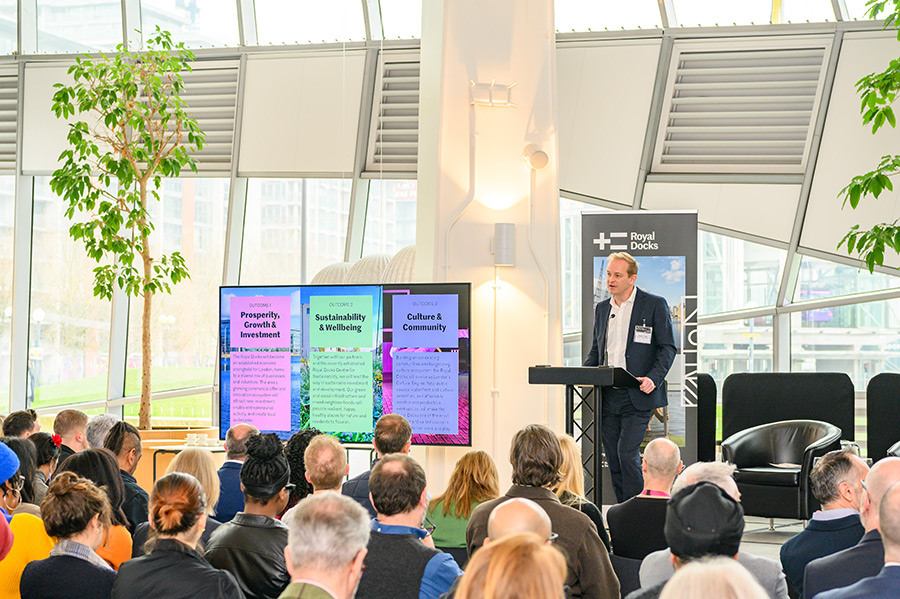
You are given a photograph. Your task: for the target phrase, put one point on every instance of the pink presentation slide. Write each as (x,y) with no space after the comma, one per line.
(261,322)
(261,389)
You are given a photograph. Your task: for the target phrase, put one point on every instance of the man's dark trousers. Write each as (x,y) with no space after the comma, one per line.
(623,431)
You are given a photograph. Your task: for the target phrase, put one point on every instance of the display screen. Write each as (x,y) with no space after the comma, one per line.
(338,357)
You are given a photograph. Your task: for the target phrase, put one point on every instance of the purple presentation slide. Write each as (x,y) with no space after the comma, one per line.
(426,321)
(261,389)
(426,390)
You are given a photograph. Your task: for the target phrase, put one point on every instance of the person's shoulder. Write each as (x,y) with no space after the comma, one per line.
(483,510)
(353,483)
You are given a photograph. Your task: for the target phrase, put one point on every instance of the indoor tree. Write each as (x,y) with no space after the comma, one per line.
(131,129)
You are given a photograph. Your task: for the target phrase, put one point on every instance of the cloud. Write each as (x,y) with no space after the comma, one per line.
(675,273)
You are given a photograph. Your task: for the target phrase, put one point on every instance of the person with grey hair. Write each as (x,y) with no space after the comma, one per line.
(98,427)
(646,511)
(657,567)
(836,482)
(231,497)
(715,578)
(327,538)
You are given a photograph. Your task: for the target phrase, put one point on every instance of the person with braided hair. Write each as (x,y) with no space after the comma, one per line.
(295,449)
(124,441)
(251,546)
(78,515)
(174,568)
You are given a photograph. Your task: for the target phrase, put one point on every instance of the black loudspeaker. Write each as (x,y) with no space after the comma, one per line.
(882,414)
(706,418)
(751,399)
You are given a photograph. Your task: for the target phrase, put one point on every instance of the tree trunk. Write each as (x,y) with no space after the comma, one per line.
(144,414)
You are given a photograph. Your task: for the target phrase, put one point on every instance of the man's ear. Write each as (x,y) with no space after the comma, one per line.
(680,468)
(423,499)
(406,447)
(347,470)
(287,560)
(306,476)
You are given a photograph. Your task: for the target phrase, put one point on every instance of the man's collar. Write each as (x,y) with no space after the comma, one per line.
(532,493)
(835,514)
(630,299)
(395,529)
(301,582)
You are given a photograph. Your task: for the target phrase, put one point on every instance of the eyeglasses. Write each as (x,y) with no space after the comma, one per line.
(553,536)
(290,487)
(429,526)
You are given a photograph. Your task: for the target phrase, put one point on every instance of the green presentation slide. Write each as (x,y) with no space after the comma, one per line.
(340,391)
(340,321)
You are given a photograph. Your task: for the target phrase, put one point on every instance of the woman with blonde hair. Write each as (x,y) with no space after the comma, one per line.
(200,464)
(474,480)
(519,566)
(570,489)
(715,578)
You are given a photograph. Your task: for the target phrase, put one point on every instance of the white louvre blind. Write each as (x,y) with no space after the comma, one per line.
(9,92)
(740,110)
(394,131)
(210,91)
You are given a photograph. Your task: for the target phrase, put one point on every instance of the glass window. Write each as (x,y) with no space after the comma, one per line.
(309,21)
(401,18)
(737,274)
(820,278)
(862,340)
(801,11)
(390,216)
(857,9)
(8,27)
(293,228)
(7,220)
(78,26)
(735,346)
(691,13)
(597,15)
(197,23)
(189,410)
(190,218)
(68,343)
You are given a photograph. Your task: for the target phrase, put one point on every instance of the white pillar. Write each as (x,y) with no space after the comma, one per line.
(472,175)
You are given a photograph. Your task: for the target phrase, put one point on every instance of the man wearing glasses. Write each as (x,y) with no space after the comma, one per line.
(401,561)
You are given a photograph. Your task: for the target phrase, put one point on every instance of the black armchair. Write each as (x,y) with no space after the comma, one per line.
(894,450)
(773,462)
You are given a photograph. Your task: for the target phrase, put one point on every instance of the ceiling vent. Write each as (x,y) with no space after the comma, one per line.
(394,130)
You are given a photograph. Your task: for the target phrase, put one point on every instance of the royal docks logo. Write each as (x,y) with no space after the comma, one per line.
(621,241)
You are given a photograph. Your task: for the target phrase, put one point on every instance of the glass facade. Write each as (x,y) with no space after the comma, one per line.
(7,216)
(197,23)
(390,216)
(307,21)
(737,274)
(600,15)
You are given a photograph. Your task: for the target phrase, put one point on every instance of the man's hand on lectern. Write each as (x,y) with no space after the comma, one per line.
(647,385)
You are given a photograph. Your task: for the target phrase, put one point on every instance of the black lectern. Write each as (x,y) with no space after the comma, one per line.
(586,383)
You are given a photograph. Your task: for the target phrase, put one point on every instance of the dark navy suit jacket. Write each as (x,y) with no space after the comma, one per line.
(231,499)
(652,360)
(886,585)
(846,567)
(357,488)
(820,538)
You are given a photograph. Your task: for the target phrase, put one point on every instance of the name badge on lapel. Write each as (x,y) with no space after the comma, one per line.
(642,334)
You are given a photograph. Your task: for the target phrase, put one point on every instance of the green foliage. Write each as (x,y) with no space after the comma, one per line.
(877,92)
(135,130)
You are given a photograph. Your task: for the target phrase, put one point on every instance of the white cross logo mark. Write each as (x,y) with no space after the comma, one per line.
(602,241)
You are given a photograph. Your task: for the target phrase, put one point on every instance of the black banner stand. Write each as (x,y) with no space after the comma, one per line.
(587,384)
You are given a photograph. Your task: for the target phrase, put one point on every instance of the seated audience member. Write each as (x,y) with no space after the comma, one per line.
(886,584)
(174,569)
(474,480)
(77,514)
(71,426)
(98,427)
(701,520)
(519,566)
(200,464)
(402,560)
(295,450)
(570,489)
(536,457)
(325,464)
(836,482)
(251,546)
(100,467)
(31,542)
(47,458)
(23,423)
(866,558)
(231,499)
(718,578)
(26,452)
(657,567)
(124,441)
(327,538)
(646,512)
(393,434)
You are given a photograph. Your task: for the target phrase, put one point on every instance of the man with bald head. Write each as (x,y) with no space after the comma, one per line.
(866,558)
(518,515)
(647,511)
(231,498)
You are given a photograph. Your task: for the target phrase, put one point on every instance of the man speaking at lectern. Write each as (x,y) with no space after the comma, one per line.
(632,330)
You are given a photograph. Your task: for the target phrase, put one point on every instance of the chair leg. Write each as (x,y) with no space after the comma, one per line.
(771,524)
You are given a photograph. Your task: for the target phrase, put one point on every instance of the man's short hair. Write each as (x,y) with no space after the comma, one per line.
(68,422)
(326,532)
(236,444)
(98,427)
(720,474)
(19,423)
(396,484)
(660,462)
(834,468)
(326,462)
(702,519)
(392,433)
(628,258)
(536,456)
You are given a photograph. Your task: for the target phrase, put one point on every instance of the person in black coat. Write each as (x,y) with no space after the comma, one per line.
(125,442)
(77,513)
(174,569)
